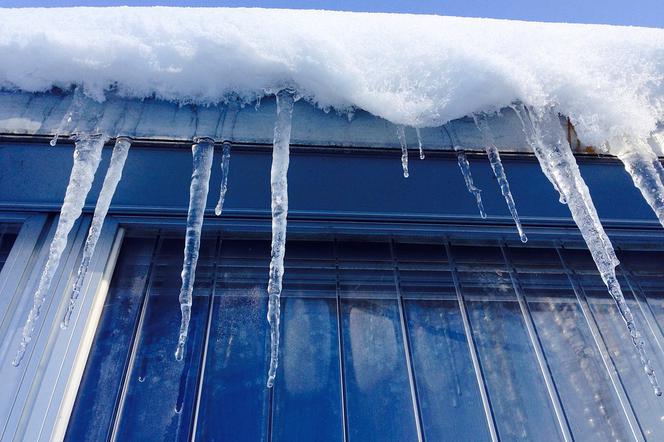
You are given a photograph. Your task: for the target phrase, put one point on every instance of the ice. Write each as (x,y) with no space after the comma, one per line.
(87,154)
(415,70)
(279,184)
(419,142)
(555,155)
(73,112)
(225,164)
(113,176)
(498,170)
(401,134)
(464,165)
(645,169)
(202,151)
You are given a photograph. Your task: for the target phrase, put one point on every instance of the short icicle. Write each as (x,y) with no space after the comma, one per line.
(401,134)
(202,151)
(74,109)
(464,165)
(646,171)
(555,156)
(225,165)
(279,185)
(419,142)
(499,171)
(87,154)
(113,176)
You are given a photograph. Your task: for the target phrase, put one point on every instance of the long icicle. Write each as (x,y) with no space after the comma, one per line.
(279,185)
(87,154)
(401,134)
(202,152)
(499,171)
(225,166)
(555,155)
(111,180)
(645,169)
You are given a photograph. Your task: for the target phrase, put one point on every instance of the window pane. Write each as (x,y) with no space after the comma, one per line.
(235,402)
(92,416)
(8,233)
(161,391)
(307,393)
(516,388)
(377,387)
(450,401)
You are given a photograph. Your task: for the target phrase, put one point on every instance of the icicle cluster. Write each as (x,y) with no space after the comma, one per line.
(549,142)
(279,184)
(87,154)
(202,151)
(498,170)
(113,176)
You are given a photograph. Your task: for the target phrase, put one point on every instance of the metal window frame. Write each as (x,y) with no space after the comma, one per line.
(38,394)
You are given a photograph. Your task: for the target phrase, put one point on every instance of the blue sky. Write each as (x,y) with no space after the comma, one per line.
(623,12)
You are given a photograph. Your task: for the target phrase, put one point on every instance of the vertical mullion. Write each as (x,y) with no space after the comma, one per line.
(340,343)
(644,306)
(634,425)
(129,364)
(563,424)
(406,344)
(208,327)
(477,366)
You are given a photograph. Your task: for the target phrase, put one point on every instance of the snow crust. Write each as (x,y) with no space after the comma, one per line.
(413,70)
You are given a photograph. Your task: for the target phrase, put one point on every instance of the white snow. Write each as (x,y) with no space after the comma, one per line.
(414,70)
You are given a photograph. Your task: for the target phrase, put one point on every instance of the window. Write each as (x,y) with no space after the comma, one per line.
(382,339)
(8,233)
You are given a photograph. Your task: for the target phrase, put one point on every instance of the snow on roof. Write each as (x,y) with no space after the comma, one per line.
(416,70)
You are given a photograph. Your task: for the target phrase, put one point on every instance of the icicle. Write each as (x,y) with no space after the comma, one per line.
(202,151)
(499,171)
(279,184)
(87,153)
(645,169)
(521,113)
(113,176)
(555,155)
(401,134)
(74,109)
(464,165)
(419,142)
(225,164)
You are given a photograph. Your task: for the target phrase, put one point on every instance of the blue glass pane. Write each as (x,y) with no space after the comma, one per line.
(92,416)
(161,391)
(234,403)
(307,395)
(378,397)
(518,396)
(450,401)
(8,233)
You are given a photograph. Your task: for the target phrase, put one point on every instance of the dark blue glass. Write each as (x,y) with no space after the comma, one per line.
(94,409)
(307,395)
(379,401)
